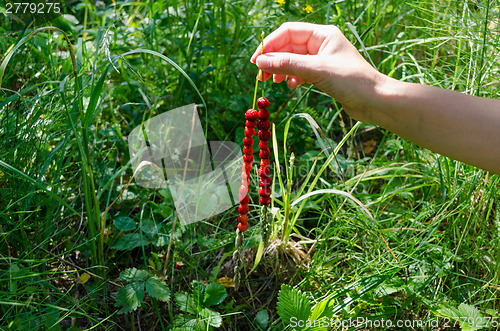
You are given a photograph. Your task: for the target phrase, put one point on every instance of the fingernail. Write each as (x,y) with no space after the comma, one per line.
(263,62)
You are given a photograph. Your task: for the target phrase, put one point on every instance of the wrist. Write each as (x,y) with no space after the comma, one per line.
(380,109)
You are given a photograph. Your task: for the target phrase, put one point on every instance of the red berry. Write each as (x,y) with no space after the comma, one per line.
(251,115)
(243,227)
(250,124)
(262,102)
(247,167)
(263,144)
(265,162)
(265,201)
(248,158)
(243,219)
(264,135)
(248,141)
(244,199)
(247,150)
(178,266)
(265,182)
(265,153)
(243,189)
(263,125)
(249,132)
(243,209)
(263,114)
(264,171)
(265,192)
(244,176)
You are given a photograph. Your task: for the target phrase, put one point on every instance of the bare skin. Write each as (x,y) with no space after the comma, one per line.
(463,127)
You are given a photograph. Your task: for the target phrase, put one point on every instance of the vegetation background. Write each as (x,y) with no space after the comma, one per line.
(383,231)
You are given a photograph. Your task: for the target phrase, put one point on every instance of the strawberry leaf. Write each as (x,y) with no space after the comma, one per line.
(214,294)
(133,275)
(156,288)
(130,297)
(293,303)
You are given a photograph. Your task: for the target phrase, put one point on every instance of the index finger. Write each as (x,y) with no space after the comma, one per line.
(300,37)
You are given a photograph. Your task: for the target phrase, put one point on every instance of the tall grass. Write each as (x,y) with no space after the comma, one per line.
(430,246)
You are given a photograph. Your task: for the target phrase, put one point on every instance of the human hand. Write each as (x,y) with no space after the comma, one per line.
(320,55)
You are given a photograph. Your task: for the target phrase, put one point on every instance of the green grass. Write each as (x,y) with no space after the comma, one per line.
(400,234)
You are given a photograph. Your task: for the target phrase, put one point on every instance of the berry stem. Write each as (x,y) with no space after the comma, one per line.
(256,88)
(262,52)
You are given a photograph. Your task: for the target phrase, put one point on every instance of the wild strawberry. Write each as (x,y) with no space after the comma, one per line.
(249,132)
(243,219)
(243,209)
(244,199)
(248,158)
(243,227)
(265,201)
(262,102)
(247,150)
(248,141)
(265,153)
(265,162)
(264,135)
(243,189)
(251,115)
(247,167)
(250,124)
(265,182)
(263,125)
(263,114)
(264,171)
(263,144)
(178,266)
(265,192)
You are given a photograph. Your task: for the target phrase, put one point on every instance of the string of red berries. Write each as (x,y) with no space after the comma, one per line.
(250,124)
(264,136)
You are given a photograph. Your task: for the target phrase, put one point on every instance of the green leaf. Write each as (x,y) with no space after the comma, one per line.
(156,288)
(262,319)
(471,318)
(185,302)
(130,297)
(161,240)
(150,228)
(133,275)
(212,317)
(198,293)
(322,311)
(95,95)
(188,323)
(124,223)
(293,303)
(214,294)
(131,241)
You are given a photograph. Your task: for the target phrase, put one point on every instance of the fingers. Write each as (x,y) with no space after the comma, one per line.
(297,65)
(263,76)
(295,37)
(293,81)
(289,52)
(278,78)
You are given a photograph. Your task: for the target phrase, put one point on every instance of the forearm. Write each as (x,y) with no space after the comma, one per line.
(463,127)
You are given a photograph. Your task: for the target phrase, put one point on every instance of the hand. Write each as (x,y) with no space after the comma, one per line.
(320,55)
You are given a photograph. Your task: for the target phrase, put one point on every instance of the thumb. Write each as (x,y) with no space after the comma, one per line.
(287,64)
